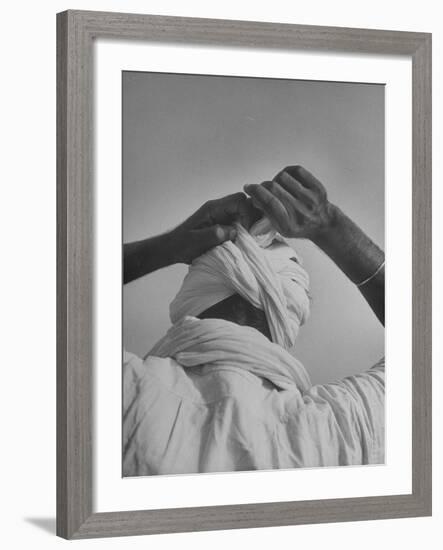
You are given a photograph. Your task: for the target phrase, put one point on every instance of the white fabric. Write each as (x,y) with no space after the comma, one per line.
(223,397)
(215,396)
(258,266)
(193,342)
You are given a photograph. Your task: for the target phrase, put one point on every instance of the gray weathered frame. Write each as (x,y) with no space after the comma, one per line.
(76,31)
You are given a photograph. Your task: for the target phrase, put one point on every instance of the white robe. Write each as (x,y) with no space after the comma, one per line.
(213,396)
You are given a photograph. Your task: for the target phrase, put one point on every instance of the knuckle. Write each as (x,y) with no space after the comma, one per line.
(241,197)
(274,187)
(297,170)
(294,172)
(269,199)
(280,174)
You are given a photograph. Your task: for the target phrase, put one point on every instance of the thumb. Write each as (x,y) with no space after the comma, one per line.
(207,238)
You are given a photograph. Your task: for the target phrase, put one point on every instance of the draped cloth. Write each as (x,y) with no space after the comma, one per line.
(220,343)
(213,396)
(259,266)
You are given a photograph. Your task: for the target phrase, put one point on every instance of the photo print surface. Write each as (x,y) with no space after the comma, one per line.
(253,271)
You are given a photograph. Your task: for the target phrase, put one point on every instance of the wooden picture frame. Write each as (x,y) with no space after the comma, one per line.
(76,31)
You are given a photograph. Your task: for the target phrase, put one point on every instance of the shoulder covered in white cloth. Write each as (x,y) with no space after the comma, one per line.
(204,407)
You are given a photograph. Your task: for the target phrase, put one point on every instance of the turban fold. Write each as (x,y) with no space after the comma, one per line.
(259,266)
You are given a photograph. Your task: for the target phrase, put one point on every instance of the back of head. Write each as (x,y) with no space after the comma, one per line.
(238,310)
(256,281)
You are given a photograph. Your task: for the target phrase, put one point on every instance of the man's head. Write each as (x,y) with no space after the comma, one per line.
(252,281)
(237,310)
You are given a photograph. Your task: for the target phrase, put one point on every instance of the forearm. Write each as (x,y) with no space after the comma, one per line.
(357,256)
(146,256)
(211,225)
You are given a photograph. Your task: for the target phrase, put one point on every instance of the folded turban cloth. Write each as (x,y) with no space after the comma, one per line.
(259,266)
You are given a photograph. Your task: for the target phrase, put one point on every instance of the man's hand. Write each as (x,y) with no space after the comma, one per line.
(297,205)
(295,202)
(211,225)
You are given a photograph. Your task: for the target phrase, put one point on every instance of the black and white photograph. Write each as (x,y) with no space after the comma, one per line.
(253,271)
(221,300)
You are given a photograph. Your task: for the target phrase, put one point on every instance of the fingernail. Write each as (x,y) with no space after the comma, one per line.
(220,233)
(257,205)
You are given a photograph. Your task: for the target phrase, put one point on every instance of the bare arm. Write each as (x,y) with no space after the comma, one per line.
(209,226)
(297,204)
(358,257)
(146,256)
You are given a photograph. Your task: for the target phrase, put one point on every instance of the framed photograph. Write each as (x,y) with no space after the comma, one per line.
(234,350)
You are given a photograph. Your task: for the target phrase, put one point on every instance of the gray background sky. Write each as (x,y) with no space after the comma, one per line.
(187,139)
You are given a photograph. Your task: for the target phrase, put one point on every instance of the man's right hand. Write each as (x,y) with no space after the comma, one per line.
(212,224)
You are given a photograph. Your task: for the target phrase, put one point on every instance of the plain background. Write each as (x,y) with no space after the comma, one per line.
(188,139)
(28,276)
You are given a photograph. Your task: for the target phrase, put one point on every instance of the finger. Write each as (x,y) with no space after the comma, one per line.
(295,188)
(306,178)
(220,211)
(207,238)
(290,201)
(249,213)
(268,202)
(236,207)
(227,208)
(257,207)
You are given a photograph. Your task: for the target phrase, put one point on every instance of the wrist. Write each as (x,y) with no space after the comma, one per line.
(333,218)
(170,248)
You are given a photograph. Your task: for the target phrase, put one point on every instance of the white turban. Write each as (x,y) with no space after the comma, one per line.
(260,267)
